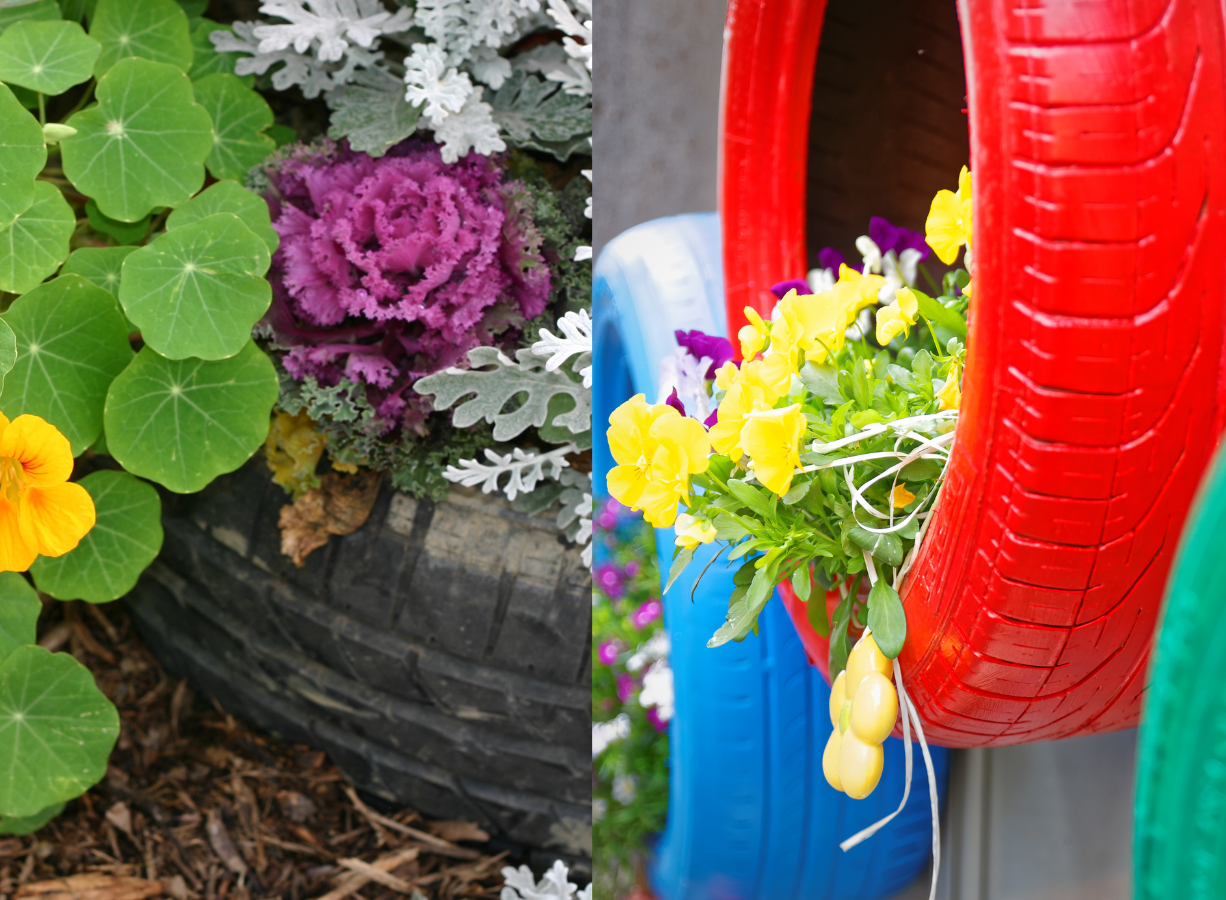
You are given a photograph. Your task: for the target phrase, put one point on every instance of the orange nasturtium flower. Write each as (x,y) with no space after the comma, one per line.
(41,512)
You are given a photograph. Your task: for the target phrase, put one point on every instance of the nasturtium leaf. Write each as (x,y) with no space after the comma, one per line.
(8,351)
(37,242)
(207,60)
(240,115)
(197,290)
(19,611)
(71,343)
(43,11)
(182,423)
(56,730)
(123,542)
(124,232)
(228,197)
(77,10)
(23,153)
(282,134)
(372,112)
(99,265)
(150,29)
(29,824)
(143,144)
(47,56)
(194,7)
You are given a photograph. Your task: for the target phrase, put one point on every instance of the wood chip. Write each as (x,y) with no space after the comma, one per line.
(357,880)
(433,844)
(91,886)
(384,878)
(220,841)
(458,831)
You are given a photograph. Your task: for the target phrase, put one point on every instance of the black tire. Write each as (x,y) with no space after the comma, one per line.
(440,654)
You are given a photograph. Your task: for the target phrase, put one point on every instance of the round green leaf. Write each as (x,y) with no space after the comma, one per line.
(29,824)
(124,540)
(144,143)
(23,153)
(182,423)
(229,197)
(71,343)
(56,730)
(98,265)
(198,290)
(19,610)
(47,56)
(8,351)
(124,232)
(240,116)
(43,10)
(37,242)
(150,29)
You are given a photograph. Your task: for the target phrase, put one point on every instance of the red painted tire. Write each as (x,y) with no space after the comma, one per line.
(1096,352)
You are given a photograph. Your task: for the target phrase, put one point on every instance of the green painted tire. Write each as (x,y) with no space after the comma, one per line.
(1180,831)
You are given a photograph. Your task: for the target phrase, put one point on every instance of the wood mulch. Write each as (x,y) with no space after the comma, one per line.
(197,806)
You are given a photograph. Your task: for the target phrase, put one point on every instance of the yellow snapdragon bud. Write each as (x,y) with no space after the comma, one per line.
(874,709)
(838,696)
(860,765)
(830,759)
(865,657)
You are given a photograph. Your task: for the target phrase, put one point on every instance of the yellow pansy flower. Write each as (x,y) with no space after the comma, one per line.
(741,399)
(819,320)
(633,447)
(951,395)
(753,336)
(949,220)
(41,512)
(772,440)
(967,290)
(691,531)
(900,496)
(866,286)
(682,449)
(898,316)
(726,375)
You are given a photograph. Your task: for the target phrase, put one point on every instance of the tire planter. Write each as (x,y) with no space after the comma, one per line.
(750,814)
(1179,847)
(1091,394)
(438,654)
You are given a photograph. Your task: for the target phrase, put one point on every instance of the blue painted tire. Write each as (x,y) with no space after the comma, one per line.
(750,815)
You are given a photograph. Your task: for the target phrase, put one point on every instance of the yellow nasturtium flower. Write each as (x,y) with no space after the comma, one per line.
(41,512)
(898,316)
(753,336)
(772,440)
(691,531)
(949,220)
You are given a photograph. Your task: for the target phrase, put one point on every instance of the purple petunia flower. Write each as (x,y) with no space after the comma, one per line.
(607,653)
(646,614)
(715,348)
(391,269)
(829,258)
(799,285)
(626,687)
(632,568)
(610,579)
(656,722)
(889,237)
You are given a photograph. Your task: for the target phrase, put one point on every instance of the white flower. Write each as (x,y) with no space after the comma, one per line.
(605,733)
(583,253)
(600,808)
(689,377)
(328,26)
(472,128)
(655,649)
(821,280)
(898,271)
(431,84)
(658,690)
(521,885)
(870,252)
(625,789)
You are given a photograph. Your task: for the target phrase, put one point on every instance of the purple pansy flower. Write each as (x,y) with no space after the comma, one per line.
(889,237)
(799,285)
(646,614)
(829,258)
(715,348)
(675,402)
(713,418)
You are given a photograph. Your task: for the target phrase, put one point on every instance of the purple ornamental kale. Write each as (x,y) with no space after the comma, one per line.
(391,269)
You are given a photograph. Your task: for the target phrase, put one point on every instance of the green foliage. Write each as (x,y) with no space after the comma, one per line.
(372,112)
(240,116)
(71,343)
(143,145)
(56,730)
(37,242)
(537,114)
(206,59)
(197,289)
(49,57)
(190,267)
(123,542)
(184,422)
(149,29)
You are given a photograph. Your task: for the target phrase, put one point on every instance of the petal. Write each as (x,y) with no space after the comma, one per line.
(16,553)
(55,518)
(659,504)
(43,452)
(688,436)
(625,484)
(907,304)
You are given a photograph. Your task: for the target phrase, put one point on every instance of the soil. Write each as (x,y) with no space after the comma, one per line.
(197,806)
